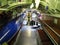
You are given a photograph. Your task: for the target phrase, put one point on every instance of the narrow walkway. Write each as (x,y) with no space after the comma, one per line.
(28,36)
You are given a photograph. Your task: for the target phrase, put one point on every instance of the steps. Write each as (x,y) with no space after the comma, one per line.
(44,38)
(52,31)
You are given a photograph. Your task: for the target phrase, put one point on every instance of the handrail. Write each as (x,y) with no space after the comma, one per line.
(47,30)
(52,29)
(52,39)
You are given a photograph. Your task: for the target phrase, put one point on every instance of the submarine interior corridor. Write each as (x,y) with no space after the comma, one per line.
(30,22)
